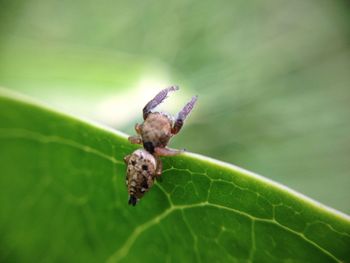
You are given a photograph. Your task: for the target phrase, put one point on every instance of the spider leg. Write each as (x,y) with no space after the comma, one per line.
(159,168)
(158,99)
(138,128)
(160,151)
(135,139)
(182,115)
(126,158)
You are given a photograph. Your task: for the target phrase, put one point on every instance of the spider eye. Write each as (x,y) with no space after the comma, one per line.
(144,167)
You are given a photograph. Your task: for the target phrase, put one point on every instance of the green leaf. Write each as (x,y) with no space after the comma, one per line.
(63,199)
(274,92)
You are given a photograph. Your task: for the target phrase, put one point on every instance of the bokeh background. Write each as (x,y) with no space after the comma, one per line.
(272,76)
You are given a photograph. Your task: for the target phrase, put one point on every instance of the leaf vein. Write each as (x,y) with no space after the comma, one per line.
(122,252)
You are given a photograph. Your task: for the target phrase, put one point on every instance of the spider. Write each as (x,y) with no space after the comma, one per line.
(144,165)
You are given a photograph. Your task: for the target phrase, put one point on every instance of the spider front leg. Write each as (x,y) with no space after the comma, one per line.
(158,99)
(182,115)
(160,151)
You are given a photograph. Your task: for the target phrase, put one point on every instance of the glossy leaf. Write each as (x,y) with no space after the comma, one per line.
(63,199)
(272,77)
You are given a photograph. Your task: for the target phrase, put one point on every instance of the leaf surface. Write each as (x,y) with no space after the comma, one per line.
(63,198)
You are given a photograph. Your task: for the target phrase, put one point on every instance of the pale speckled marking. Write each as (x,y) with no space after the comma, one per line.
(137,177)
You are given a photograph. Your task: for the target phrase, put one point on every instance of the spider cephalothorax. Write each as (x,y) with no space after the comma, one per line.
(154,134)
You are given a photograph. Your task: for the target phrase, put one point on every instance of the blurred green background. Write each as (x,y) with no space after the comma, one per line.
(272,76)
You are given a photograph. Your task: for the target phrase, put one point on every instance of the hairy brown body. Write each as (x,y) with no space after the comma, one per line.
(140,172)
(156,129)
(144,165)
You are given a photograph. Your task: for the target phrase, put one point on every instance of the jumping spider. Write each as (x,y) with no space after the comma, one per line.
(144,165)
